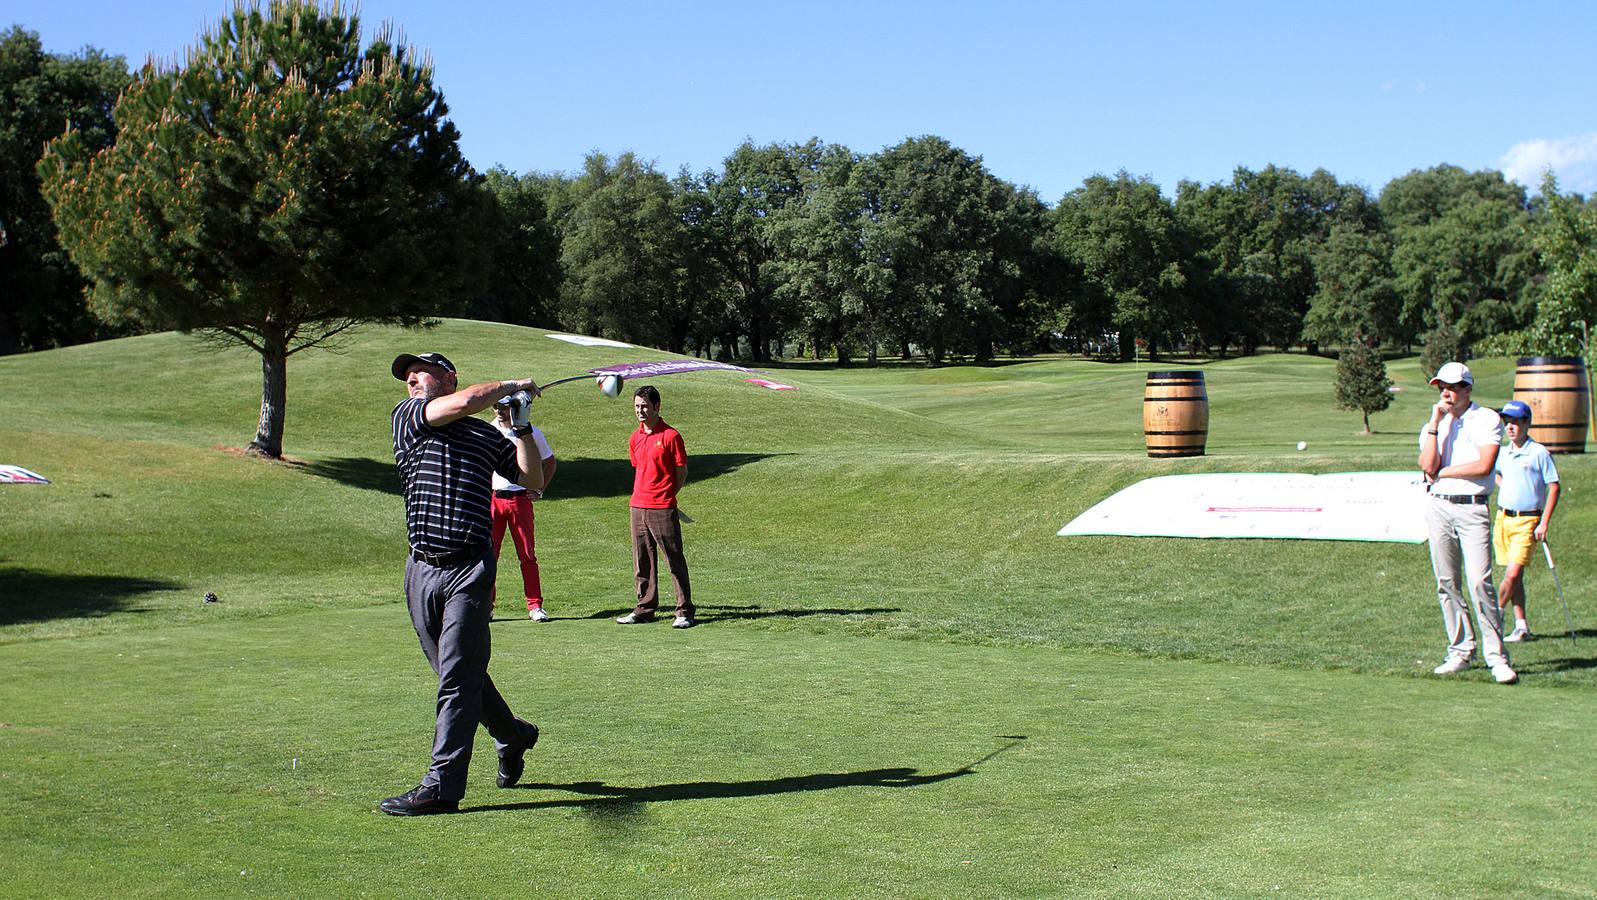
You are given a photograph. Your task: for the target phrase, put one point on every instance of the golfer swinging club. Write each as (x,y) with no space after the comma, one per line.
(446,460)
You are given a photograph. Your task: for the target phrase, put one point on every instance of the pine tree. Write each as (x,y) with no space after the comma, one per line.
(279,187)
(1361,382)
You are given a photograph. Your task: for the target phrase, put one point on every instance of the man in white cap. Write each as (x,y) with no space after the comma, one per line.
(1458,453)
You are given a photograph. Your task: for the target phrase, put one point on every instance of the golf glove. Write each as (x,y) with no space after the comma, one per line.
(519,404)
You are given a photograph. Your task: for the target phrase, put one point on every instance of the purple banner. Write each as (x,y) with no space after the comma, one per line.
(631,371)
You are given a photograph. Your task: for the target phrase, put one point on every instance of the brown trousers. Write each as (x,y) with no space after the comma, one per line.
(659,529)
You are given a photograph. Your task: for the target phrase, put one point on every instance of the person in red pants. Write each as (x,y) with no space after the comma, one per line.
(512,511)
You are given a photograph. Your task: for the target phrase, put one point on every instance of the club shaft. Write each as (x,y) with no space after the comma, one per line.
(545,387)
(1559,587)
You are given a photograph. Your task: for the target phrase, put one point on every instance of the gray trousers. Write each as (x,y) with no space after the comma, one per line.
(1461,543)
(451,607)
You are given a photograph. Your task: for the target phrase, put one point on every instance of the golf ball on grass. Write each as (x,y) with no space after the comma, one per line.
(1303,445)
(610,385)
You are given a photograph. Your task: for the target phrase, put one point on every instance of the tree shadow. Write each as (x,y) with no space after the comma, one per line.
(588,477)
(599,797)
(30,595)
(577,477)
(357,472)
(710,613)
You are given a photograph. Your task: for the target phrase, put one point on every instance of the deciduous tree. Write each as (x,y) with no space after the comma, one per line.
(1355,297)
(41,291)
(1123,235)
(628,255)
(1463,253)
(1361,381)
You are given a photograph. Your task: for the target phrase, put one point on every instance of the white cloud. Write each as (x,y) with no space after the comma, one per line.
(1572,159)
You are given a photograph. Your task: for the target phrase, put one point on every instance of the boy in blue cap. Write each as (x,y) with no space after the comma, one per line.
(1527,493)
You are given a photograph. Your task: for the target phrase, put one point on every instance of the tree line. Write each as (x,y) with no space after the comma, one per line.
(919,250)
(914,250)
(290,179)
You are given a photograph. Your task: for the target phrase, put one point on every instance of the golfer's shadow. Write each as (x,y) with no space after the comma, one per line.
(712,613)
(598,795)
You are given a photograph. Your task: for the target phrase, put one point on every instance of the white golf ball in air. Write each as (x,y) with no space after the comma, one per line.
(610,385)
(1303,445)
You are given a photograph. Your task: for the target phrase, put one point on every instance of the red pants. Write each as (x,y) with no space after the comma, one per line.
(517,514)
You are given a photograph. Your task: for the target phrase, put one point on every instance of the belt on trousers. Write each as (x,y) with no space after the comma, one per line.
(509,495)
(1523,512)
(1464,499)
(446,559)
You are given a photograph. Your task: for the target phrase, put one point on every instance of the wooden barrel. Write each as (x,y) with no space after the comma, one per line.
(1557,392)
(1175,414)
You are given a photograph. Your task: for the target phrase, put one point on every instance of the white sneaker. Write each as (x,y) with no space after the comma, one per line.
(1503,674)
(1452,665)
(1517,635)
(632,618)
(537,614)
(682,622)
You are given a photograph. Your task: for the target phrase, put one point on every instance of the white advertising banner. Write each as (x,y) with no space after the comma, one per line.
(18,475)
(1340,506)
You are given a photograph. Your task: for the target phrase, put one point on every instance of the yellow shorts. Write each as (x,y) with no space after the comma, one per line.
(1512,538)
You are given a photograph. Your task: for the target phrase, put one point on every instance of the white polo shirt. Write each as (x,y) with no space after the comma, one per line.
(1460,440)
(502,483)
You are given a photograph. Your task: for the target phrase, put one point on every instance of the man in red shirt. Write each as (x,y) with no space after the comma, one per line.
(660,467)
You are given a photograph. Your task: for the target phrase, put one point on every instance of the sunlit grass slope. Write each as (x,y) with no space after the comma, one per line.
(904,501)
(903,684)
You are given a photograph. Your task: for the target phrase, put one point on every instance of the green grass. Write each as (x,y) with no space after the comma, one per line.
(883,601)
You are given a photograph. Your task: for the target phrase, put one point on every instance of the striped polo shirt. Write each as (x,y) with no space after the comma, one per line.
(447,475)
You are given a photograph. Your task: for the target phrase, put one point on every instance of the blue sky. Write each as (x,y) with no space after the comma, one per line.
(1046,93)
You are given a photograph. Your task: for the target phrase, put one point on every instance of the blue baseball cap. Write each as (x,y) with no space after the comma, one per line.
(1516,409)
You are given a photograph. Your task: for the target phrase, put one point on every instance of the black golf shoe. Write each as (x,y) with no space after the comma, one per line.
(423,801)
(513,759)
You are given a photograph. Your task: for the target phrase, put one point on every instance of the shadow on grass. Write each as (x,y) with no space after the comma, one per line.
(707,613)
(29,595)
(576,477)
(358,472)
(614,800)
(1561,641)
(585,477)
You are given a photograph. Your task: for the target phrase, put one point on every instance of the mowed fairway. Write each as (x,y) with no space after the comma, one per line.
(904,684)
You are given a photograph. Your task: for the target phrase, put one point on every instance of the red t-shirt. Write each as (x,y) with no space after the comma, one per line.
(656,456)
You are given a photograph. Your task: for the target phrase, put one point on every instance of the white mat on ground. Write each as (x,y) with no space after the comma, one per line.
(1340,506)
(583,340)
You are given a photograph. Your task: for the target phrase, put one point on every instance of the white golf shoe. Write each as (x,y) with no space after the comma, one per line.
(682,622)
(1517,635)
(1503,674)
(1452,665)
(537,614)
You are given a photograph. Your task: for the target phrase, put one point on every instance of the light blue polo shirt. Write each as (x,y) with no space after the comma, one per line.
(1526,471)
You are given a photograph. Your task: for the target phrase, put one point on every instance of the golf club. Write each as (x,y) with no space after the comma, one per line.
(545,387)
(1568,620)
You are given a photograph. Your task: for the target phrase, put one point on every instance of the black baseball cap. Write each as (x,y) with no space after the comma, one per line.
(405,360)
